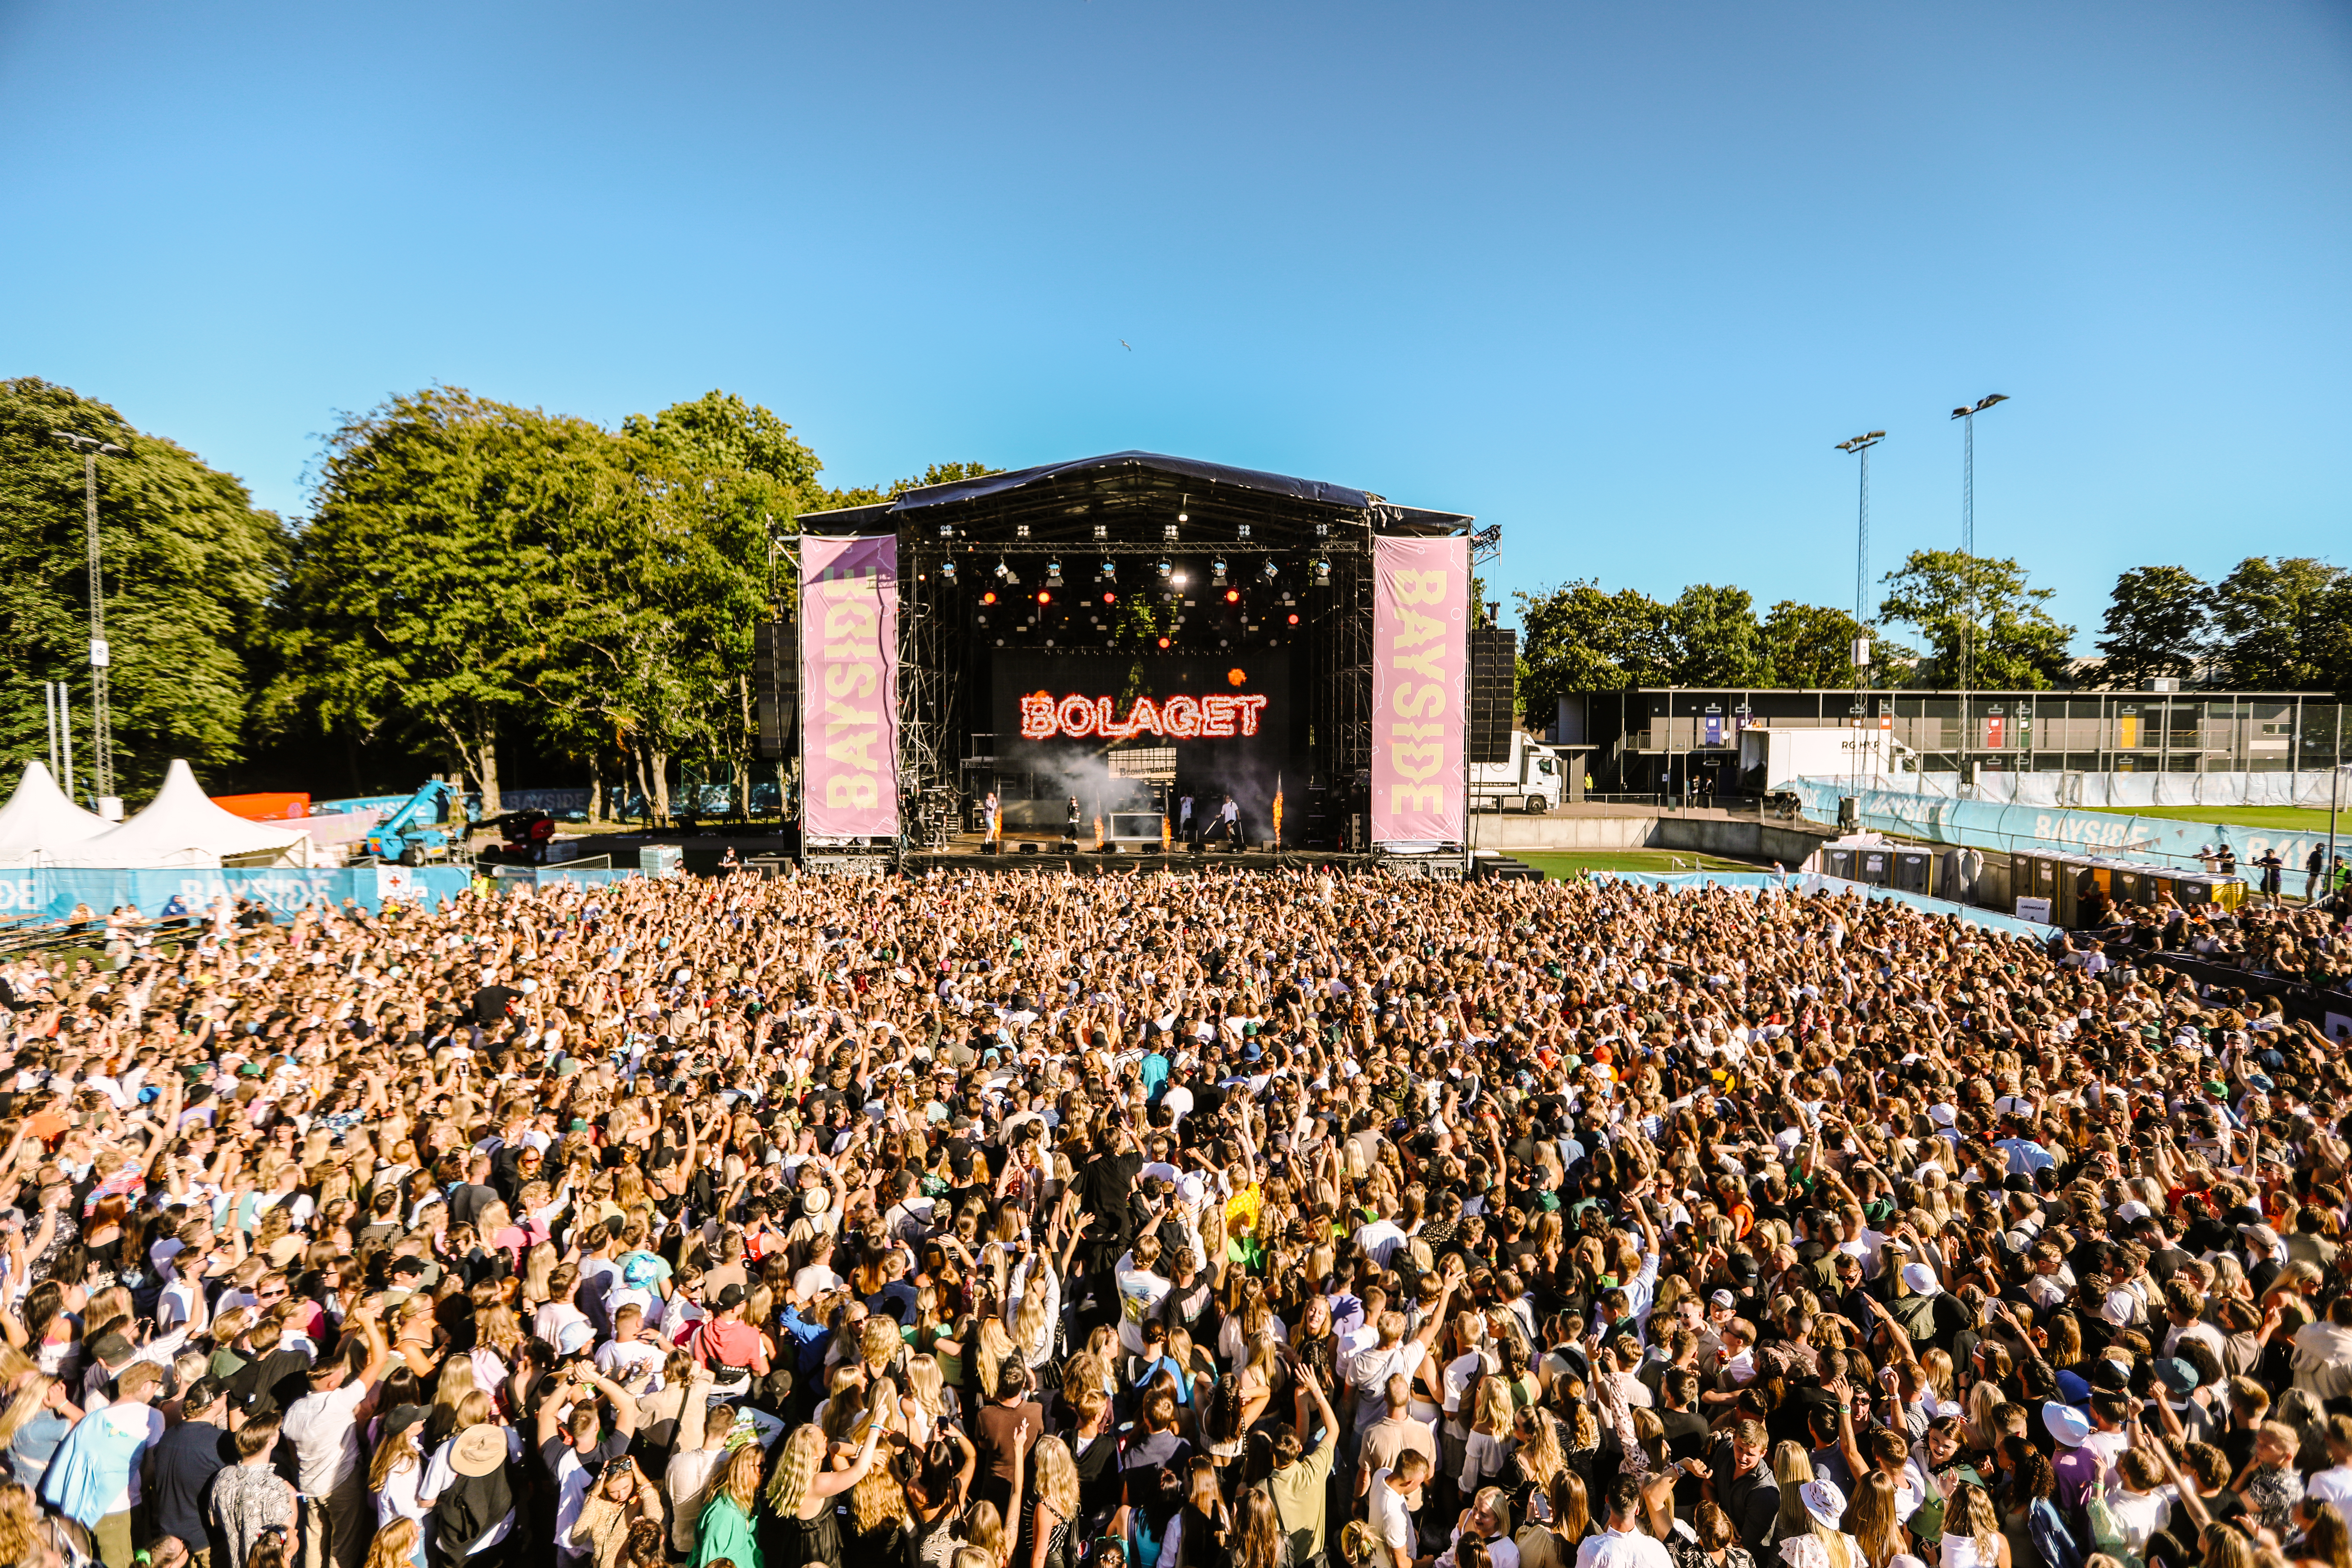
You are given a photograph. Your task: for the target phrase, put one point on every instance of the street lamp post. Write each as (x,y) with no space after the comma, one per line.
(101,722)
(1860,446)
(1968,419)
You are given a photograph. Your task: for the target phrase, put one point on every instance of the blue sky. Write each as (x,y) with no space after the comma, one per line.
(1615,276)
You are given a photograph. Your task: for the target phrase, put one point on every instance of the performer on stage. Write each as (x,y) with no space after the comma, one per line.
(1228,823)
(988,809)
(1184,817)
(1070,819)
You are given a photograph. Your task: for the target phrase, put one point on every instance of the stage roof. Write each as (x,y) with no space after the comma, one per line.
(1126,477)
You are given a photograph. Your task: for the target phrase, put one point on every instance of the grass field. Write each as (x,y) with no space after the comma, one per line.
(1560,865)
(2296,818)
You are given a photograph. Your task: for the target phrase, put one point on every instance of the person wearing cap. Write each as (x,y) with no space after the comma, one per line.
(735,1352)
(187,1458)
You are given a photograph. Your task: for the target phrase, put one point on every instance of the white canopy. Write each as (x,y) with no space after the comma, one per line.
(182,828)
(39,824)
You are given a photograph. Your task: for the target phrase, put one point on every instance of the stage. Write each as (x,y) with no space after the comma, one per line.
(1065,651)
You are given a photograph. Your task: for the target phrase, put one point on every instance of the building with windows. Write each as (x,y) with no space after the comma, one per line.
(1651,739)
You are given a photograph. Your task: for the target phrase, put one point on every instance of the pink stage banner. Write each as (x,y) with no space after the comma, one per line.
(849,684)
(1420,601)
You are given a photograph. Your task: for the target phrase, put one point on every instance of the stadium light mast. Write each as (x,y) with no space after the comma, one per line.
(1968,419)
(1860,446)
(101,723)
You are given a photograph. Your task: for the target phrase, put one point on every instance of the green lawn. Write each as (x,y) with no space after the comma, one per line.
(2297,818)
(1563,864)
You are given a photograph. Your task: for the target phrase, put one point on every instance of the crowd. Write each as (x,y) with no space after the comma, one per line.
(1252,1220)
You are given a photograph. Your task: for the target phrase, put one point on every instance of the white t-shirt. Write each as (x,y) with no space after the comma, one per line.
(326,1437)
(1386,1510)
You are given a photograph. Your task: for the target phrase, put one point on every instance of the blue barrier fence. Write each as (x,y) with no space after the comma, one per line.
(1813,882)
(54,893)
(2050,829)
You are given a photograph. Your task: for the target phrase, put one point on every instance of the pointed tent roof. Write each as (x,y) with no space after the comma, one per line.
(39,824)
(182,826)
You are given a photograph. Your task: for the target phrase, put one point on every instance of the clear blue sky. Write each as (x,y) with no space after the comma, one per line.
(1615,276)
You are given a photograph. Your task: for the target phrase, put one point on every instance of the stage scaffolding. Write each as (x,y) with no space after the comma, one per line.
(1133,510)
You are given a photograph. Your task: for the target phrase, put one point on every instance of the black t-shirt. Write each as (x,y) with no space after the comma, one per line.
(490,1004)
(187,1459)
(271,1384)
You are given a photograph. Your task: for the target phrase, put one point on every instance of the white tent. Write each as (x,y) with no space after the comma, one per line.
(38,824)
(182,827)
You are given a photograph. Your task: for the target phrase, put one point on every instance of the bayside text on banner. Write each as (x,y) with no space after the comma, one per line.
(849,666)
(1421,597)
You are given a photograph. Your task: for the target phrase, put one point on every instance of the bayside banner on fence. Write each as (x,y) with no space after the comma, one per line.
(849,672)
(1421,598)
(2055,830)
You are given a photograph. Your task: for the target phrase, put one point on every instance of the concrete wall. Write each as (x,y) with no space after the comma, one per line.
(1508,830)
(1745,839)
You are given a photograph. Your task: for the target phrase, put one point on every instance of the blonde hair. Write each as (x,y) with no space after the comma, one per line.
(796,1464)
(925,1383)
(1057,1478)
(395,1545)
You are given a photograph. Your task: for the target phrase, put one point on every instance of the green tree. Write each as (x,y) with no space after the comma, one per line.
(189,568)
(2279,624)
(1577,639)
(1957,600)
(424,588)
(1716,641)
(2156,624)
(1813,646)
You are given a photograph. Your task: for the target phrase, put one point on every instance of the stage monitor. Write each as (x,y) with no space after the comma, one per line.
(1139,732)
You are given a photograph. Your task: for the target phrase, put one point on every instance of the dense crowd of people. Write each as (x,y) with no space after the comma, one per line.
(1250,1220)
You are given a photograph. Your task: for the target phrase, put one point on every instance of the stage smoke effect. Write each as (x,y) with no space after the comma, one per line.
(1039,776)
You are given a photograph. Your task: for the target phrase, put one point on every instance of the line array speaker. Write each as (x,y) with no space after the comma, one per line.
(1494,692)
(776,682)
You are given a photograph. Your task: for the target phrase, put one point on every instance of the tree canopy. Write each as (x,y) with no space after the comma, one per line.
(188,568)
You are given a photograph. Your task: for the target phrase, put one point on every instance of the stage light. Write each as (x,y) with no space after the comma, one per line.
(1184,517)
(947,531)
(1163,642)
(1270,570)
(1167,531)
(1322,574)
(947,570)
(1179,579)
(1044,597)
(988,597)
(1322,531)
(1110,598)
(1243,532)
(1166,571)
(1217,570)
(1102,531)
(1002,571)
(1021,531)
(1294,620)
(1109,571)
(1232,596)
(1052,574)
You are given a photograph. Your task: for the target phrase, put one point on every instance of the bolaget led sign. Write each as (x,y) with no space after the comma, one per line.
(1214,716)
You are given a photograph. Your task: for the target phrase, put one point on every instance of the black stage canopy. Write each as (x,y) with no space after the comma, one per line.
(1096,490)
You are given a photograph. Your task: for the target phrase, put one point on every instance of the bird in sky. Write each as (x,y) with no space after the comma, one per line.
(1128,346)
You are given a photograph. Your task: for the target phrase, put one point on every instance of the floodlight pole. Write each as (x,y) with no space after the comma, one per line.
(1968,419)
(101,723)
(1860,446)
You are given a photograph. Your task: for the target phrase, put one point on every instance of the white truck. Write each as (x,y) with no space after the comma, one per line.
(1869,756)
(1534,778)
